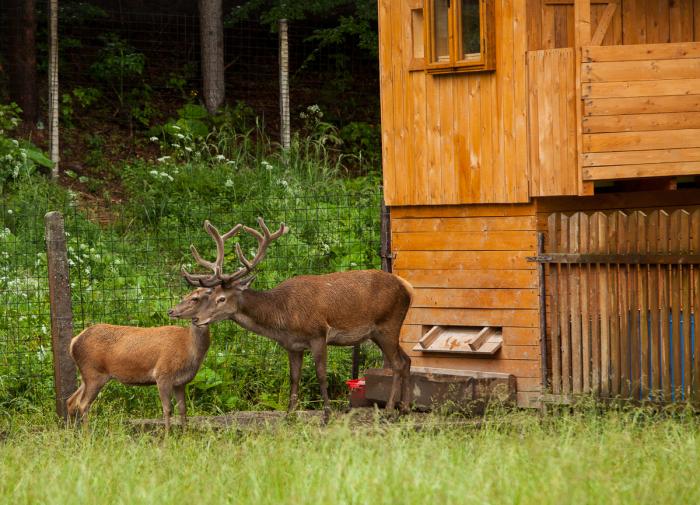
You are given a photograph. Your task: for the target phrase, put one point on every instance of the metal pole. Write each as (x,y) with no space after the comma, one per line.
(285,126)
(61,313)
(386,254)
(543,312)
(53,87)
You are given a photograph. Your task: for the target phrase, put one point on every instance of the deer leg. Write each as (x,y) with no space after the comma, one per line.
(92,385)
(296,358)
(74,401)
(405,382)
(319,352)
(392,356)
(179,392)
(165,389)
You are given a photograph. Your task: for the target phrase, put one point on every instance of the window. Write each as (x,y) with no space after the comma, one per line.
(458,35)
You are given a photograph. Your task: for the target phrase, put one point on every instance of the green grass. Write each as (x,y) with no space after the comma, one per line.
(614,457)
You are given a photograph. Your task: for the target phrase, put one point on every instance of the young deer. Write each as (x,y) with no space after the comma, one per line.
(167,356)
(309,311)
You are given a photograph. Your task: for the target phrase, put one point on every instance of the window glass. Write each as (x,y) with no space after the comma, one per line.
(441,48)
(471,36)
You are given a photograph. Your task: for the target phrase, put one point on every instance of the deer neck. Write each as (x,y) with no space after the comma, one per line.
(200,341)
(261,312)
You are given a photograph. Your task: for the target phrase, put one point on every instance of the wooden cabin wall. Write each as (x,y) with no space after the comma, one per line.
(468,267)
(634,22)
(453,138)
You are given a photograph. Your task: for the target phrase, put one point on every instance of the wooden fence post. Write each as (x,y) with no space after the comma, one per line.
(61,313)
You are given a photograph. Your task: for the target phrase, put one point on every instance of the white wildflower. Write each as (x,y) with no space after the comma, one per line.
(162,159)
(228,183)
(154,139)
(219,157)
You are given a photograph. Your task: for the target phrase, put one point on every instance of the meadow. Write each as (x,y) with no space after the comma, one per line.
(583,457)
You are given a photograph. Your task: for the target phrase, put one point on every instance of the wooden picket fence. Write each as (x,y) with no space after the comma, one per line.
(623,297)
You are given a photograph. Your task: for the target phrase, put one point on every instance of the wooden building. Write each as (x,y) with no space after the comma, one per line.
(579,119)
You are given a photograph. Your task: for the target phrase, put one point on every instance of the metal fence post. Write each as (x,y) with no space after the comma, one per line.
(65,382)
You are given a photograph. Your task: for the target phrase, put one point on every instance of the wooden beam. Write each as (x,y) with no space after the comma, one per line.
(603,24)
(582,37)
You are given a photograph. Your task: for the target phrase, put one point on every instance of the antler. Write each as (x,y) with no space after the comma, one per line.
(264,240)
(216,266)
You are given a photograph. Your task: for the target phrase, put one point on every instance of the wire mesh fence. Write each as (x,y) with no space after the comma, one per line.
(125,269)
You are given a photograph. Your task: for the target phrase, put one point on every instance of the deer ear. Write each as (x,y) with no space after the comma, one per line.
(245,283)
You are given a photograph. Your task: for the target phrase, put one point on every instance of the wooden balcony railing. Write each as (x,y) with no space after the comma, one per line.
(640,115)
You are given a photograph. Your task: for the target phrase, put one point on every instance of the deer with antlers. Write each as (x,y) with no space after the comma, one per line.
(308,311)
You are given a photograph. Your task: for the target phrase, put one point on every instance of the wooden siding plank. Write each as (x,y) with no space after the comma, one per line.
(623,305)
(640,105)
(585,303)
(519,368)
(463,260)
(641,157)
(461,139)
(593,285)
(474,317)
(459,211)
(638,141)
(386,110)
(464,241)
(520,169)
(448,168)
(432,140)
(681,21)
(641,52)
(574,274)
(612,172)
(612,287)
(483,224)
(491,279)
(475,161)
(624,89)
(641,70)
(418,135)
(476,298)
(641,122)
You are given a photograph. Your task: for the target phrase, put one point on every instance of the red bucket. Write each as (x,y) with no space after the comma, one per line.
(357,392)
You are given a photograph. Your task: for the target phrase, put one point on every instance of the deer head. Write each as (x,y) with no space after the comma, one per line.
(221,297)
(190,306)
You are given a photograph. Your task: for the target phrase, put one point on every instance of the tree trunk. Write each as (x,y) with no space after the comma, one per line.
(211,30)
(21,56)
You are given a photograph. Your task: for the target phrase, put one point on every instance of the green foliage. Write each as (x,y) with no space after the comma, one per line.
(80,99)
(18,158)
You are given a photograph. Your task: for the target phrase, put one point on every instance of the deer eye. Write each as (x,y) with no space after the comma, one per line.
(221,299)
(195,298)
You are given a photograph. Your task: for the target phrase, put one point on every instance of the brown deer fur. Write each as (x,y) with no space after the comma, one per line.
(312,312)
(167,356)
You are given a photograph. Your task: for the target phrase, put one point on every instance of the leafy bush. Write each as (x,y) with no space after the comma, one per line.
(18,158)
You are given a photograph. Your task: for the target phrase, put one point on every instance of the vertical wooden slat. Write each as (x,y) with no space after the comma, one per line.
(632,313)
(684,320)
(575,304)
(604,290)
(595,294)
(654,306)
(564,318)
(664,311)
(614,309)
(675,299)
(623,305)
(555,329)
(695,308)
(643,304)
(584,272)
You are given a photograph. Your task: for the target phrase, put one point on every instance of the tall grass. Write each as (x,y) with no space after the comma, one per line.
(585,458)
